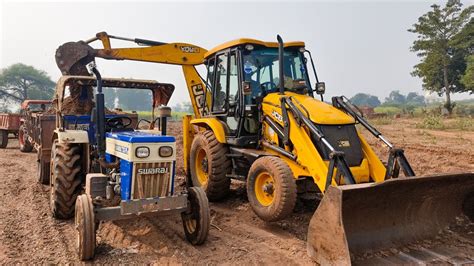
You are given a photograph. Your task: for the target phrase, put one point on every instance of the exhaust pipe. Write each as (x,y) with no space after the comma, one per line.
(280,64)
(99,114)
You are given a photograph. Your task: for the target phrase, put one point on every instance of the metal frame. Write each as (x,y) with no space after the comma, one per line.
(134,208)
(396,158)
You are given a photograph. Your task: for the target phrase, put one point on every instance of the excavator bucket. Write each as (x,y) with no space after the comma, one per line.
(402,221)
(72,58)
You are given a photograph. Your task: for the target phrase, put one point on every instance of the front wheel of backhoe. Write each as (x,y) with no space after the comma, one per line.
(209,165)
(271,189)
(66,180)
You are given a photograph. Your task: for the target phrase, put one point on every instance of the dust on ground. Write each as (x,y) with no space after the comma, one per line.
(28,234)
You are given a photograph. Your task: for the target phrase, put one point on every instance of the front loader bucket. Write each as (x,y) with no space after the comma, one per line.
(395,221)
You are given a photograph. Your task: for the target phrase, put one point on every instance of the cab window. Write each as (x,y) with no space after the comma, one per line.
(220,90)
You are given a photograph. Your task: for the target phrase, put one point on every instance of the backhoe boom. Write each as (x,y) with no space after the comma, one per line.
(72,58)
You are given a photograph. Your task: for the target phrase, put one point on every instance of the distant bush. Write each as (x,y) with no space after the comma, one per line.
(383,120)
(464,109)
(431,122)
(390,110)
(464,123)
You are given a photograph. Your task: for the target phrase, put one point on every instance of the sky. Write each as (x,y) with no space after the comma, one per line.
(358,46)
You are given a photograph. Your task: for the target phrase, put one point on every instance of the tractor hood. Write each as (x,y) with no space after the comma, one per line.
(319,112)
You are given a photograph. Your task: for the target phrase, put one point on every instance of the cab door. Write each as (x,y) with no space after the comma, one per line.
(225,92)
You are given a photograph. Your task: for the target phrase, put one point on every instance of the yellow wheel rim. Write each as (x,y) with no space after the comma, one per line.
(202,167)
(264,188)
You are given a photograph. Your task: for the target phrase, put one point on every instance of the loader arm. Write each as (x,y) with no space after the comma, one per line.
(72,58)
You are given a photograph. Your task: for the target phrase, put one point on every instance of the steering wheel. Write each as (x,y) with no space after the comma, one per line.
(267,87)
(117,122)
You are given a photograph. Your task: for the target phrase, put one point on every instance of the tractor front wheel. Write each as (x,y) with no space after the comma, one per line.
(85,227)
(196,220)
(209,165)
(271,188)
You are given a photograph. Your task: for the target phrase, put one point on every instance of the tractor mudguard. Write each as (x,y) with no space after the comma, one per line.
(72,136)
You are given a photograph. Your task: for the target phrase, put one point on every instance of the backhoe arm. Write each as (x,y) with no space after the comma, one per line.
(72,58)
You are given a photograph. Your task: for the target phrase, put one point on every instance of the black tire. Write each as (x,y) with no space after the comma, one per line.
(3,138)
(43,172)
(278,196)
(85,226)
(66,179)
(215,165)
(196,221)
(25,145)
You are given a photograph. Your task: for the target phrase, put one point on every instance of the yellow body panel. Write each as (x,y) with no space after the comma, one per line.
(171,53)
(319,112)
(214,124)
(188,135)
(250,41)
(308,160)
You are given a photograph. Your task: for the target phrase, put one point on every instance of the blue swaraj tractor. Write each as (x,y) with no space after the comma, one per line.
(108,169)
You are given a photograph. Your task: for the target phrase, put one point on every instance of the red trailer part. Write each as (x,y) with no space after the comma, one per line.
(9,123)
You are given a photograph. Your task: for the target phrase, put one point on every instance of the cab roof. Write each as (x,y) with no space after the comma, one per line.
(241,41)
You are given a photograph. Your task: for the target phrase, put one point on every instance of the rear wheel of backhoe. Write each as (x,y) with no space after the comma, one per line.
(209,165)
(25,145)
(271,188)
(85,227)
(66,170)
(196,220)
(3,138)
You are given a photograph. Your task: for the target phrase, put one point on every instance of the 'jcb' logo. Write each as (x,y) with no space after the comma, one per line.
(277,116)
(343,144)
(198,91)
(189,49)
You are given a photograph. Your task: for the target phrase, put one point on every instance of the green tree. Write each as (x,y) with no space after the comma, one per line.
(442,49)
(468,78)
(395,98)
(414,99)
(19,82)
(363,99)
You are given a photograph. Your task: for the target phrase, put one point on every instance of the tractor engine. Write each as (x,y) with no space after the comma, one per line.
(147,163)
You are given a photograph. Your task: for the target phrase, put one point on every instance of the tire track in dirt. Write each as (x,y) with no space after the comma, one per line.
(28,232)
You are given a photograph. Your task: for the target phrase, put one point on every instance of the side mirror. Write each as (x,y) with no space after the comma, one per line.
(320,88)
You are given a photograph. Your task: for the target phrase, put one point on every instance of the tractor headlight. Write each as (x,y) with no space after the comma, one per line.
(142,152)
(165,151)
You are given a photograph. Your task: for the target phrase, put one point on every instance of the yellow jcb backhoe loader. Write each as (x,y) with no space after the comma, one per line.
(259,119)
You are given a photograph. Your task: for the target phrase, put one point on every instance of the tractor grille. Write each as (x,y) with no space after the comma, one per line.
(151,180)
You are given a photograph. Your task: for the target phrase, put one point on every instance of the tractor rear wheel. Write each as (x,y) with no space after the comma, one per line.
(85,227)
(25,145)
(209,165)
(3,138)
(271,188)
(66,178)
(196,220)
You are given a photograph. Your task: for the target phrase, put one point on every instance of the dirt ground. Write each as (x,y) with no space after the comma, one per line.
(28,234)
